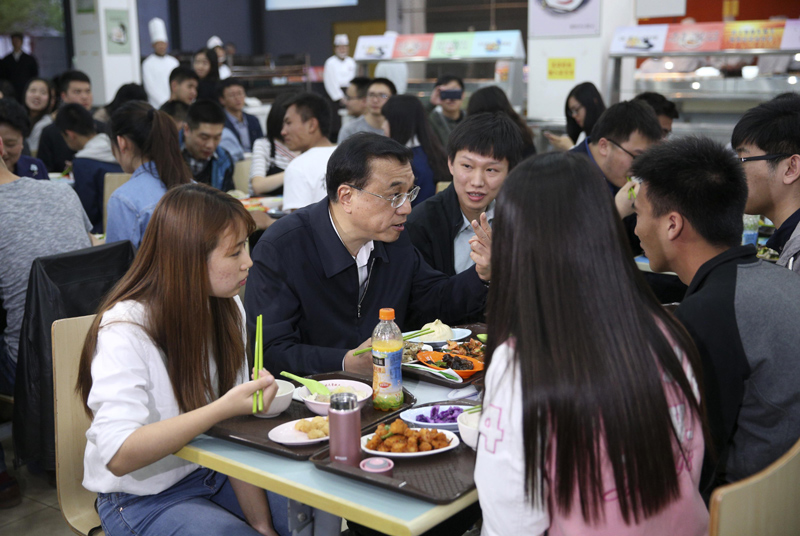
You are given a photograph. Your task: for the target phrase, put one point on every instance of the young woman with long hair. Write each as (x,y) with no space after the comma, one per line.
(145,143)
(270,155)
(164,360)
(406,122)
(592,413)
(206,65)
(38,104)
(583,108)
(493,99)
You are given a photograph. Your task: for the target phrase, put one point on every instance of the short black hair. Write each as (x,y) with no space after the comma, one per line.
(659,104)
(222,85)
(180,74)
(7,90)
(351,162)
(312,105)
(76,118)
(18,35)
(386,82)
(493,135)
(176,109)
(621,120)
(772,126)
(701,180)
(14,115)
(447,78)
(362,84)
(71,76)
(204,111)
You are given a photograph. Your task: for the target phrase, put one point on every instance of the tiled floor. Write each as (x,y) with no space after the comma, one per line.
(38,514)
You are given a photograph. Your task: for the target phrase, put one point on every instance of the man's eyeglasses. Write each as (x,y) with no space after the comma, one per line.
(381,96)
(634,156)
(396,200)
(764,157)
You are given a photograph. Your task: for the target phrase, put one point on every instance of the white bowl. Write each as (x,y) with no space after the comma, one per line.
(468,428)
(281,401)
(321,408)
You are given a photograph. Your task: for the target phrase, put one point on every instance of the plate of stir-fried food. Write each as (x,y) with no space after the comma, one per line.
(397,440)
(472,348)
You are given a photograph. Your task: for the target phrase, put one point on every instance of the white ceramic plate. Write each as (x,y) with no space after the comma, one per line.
(453,438)
(410,417)
(458,334)
(285,434)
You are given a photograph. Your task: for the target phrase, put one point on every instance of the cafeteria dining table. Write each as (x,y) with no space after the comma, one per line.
(380,509)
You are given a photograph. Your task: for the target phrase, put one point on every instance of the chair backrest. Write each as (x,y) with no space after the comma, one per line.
(241,175)
(76,502)
(765,503)
(111,182)
(442,186)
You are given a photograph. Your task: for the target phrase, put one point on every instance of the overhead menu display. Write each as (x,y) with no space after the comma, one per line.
(452,45)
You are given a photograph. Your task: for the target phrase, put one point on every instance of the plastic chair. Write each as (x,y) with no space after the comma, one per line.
(75,501)
(241,175)
(765,503)
(112,182)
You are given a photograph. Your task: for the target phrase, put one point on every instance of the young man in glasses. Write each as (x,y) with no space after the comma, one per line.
(378,92)
(767,139)
(321,274)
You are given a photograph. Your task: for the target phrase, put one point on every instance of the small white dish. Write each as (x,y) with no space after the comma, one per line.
(458,334)
(468,428)
(453,438)
(321,408)
(410,417)
(286,434)
(281,401)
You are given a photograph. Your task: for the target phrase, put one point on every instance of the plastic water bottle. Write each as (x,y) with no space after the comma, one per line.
(750,234)
(387,358)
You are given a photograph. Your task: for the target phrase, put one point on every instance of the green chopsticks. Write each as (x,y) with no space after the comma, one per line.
(474,409)
(258,396)
(405,338)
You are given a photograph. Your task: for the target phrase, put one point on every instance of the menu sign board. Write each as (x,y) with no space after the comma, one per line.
(753,34)
(412,46)
(648,38)
(374,47)
(694,37)
(452,45)
(506,44)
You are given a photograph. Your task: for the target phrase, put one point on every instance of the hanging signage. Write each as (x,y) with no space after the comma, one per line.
(374,47)
(648,38)
(452,45)
(753,34)
(694,37)
(412,46)
(498,44)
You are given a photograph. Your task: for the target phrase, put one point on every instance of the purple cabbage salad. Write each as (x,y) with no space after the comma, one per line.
(441,417)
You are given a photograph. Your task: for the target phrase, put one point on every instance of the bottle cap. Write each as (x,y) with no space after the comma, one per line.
(344,401)
(386,314)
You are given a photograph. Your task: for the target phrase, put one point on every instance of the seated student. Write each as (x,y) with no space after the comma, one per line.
(14,126)
(356,96)
(592,413)
(200,145)
(271,156)
(450,101)
(37,218)
(126,93)
(75,87)
(243,126)
(491,99)
(306,126)
(741,311)
(321,274)
(164,361)
(665,110)
(93,159)
(183,85)
(767,138)
(378,92)
(482,151)
(145,143)
(177,110)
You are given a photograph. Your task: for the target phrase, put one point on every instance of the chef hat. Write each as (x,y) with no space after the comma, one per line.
(158,30)
(341,39)
(214,42)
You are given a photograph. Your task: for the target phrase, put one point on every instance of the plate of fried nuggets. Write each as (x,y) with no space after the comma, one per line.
(301,432)
(397,440)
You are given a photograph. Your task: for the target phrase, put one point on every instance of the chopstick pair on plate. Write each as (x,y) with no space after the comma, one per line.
(258,396)
(405,338)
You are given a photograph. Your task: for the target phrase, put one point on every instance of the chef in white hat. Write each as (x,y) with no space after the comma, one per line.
(215,43)
(157,67)
(339,69)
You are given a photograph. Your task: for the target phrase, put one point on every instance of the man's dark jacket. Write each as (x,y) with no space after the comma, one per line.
(253,128)
(19,72)
(432,227)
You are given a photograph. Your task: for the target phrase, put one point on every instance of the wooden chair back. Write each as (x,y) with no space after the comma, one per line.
(76,502)
(111,182)
(765,503)
(241,175)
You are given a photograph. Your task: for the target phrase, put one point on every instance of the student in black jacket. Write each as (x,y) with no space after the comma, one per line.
(481,152)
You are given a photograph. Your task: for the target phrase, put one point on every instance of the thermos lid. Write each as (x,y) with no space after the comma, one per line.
(344,401)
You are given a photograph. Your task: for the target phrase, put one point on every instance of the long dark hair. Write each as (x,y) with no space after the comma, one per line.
(213,73)
(275,121)
(407,118)
(494,99)
(169,276)
(586,94)
(35,116)
(155,136)
(587,342)
(126,93)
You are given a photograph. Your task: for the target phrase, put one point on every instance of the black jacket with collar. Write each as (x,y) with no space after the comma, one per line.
(433,226)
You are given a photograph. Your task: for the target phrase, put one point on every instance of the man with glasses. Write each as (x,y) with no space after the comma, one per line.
(321,274)
(378,92)
(767,139)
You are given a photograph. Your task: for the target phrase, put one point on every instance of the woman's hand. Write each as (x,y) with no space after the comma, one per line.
(239,400)
(559,143)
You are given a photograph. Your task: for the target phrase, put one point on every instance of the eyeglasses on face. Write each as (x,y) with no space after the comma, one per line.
(381,96)
(764,157)
(396,200)
(633,156)
(575,111)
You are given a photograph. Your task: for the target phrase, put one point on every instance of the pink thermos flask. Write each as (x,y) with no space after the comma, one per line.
(344,421)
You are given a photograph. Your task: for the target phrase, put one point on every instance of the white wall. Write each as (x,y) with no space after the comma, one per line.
(107,72)
(546,97)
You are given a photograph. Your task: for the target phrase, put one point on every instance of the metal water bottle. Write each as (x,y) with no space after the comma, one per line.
(344,422)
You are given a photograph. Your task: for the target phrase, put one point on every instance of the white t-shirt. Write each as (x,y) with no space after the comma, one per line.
(304,178)
(130,389)
(155,78)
